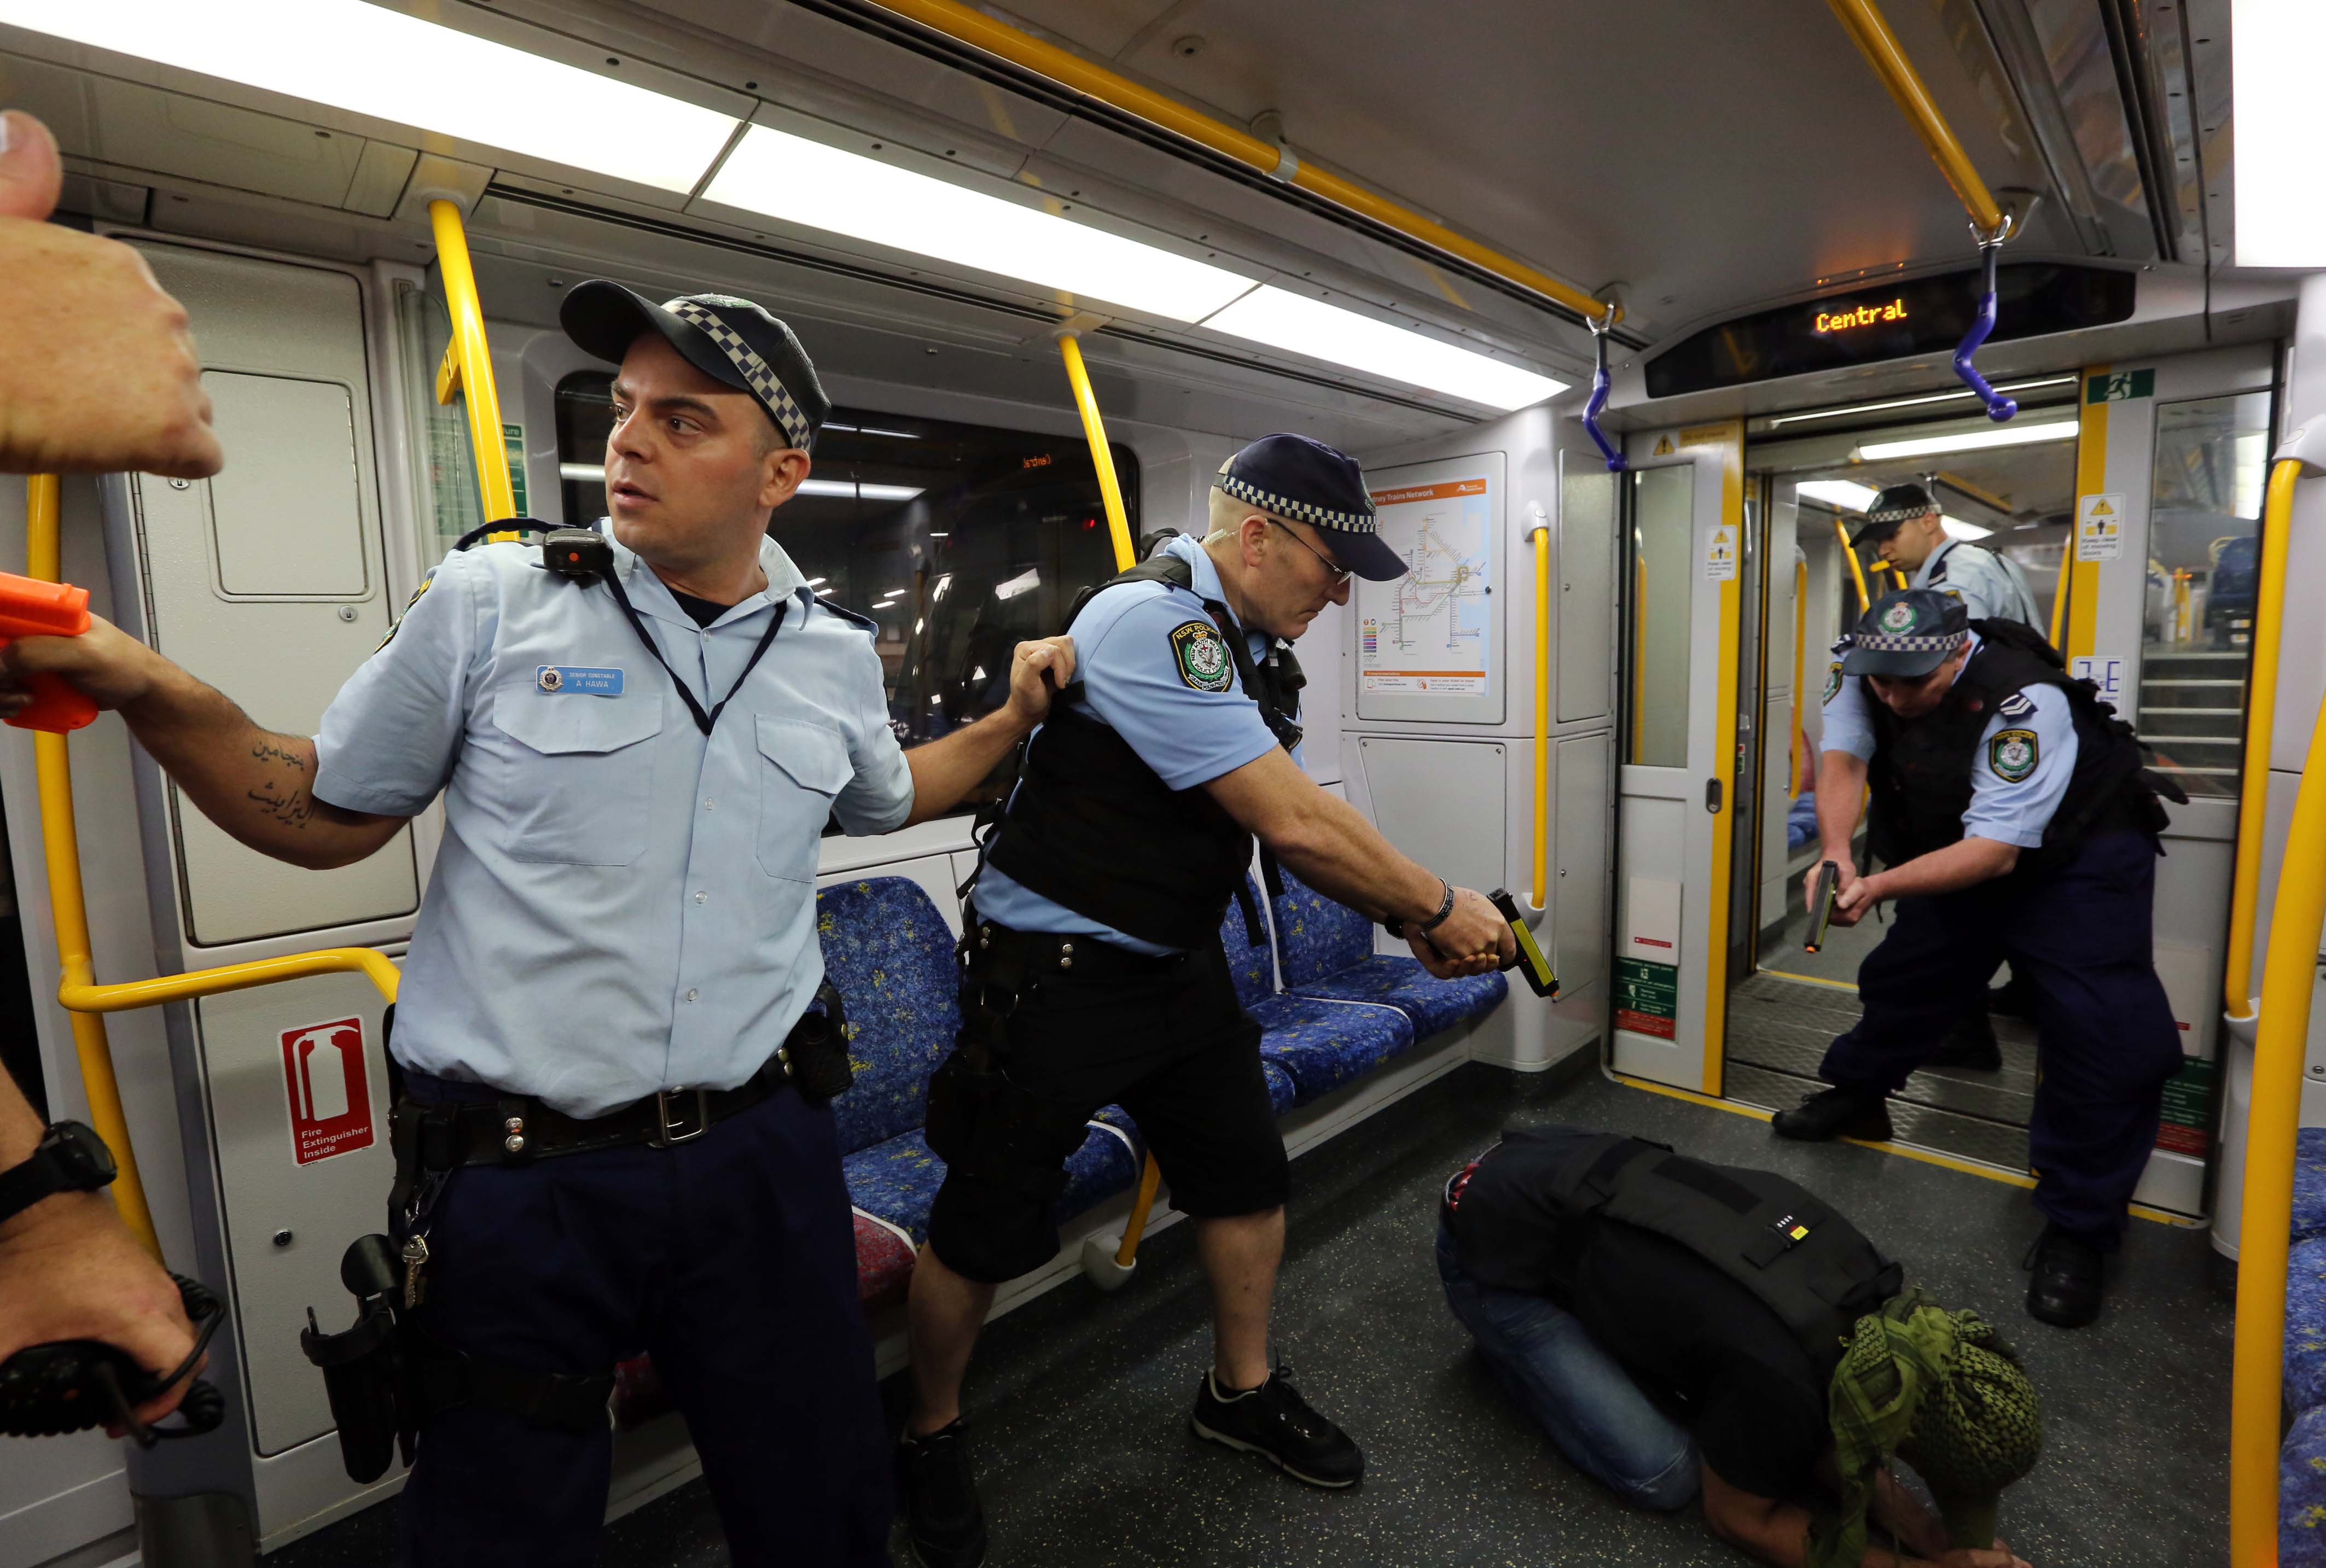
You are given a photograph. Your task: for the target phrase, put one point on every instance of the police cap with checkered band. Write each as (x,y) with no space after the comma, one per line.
(1892,508)
(1906,633)
(1307,482)
(732,342)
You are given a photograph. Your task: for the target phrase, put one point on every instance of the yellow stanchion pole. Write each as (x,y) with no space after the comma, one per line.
(1856,572)
(466,371)
(1800,665)
(1870,31)
(2060,592)
(2261,721)
(1541,714)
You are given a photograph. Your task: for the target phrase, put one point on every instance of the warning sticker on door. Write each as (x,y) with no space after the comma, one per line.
(2185,1125)
(2099,526)
(1720,556)
(1647,996)
(331,1097)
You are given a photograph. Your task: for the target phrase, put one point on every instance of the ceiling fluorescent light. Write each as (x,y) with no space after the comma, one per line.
(792,180)
(1847,495)
(1855,408)
(2275,46)
(1299,325)
(887,492)
(370,60)
(850,490)
(2009,435)
(1957,529)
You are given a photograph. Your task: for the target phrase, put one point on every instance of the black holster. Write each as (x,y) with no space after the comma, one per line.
(815,1053)
(980,1122)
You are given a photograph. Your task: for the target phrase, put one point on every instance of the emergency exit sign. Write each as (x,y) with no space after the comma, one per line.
(2120,386)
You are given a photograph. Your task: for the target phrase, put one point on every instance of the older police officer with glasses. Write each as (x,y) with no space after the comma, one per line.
(599,1148)
(1096,976)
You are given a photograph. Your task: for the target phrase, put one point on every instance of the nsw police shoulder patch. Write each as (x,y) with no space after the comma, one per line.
(397,624)
(1833,680)
(2018,705)
(2012,755)
(1200,657)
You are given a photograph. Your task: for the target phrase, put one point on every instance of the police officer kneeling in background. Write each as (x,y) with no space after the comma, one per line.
(1094,971)
(1608,1281)
(2014,821)
(1904,526)
(598,1150)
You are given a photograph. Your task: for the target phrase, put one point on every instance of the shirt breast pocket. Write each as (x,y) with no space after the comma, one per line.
(577,784)
(804,765)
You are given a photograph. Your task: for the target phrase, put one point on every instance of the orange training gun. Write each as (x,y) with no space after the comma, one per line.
(30,607)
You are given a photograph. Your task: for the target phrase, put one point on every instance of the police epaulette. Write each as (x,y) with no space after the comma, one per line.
(844,613)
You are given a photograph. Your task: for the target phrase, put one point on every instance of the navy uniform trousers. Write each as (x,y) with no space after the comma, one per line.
(2081,935)
(731,1258)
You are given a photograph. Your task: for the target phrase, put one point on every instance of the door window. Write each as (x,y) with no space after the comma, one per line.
(2212,462)
(1664,527)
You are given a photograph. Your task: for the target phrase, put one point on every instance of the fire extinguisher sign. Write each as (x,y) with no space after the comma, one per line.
(331,1099)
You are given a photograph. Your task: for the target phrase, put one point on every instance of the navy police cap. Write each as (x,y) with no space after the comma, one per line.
(1892,507)
(1305,480)
(1908,633)
(730,340)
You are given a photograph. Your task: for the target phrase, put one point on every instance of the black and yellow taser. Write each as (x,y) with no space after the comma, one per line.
(1530,962)
(1829,884)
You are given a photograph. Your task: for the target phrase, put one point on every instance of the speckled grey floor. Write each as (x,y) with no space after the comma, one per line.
(1080,1401)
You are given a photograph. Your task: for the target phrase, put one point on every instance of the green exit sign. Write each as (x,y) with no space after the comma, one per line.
(2120,386)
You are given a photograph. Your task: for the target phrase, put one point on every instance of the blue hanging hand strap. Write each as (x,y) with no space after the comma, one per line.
(1999,407)
(1600,388)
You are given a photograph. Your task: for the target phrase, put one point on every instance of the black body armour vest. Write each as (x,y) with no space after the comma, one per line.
(1814,1269)
(1094,828)
(1920,775)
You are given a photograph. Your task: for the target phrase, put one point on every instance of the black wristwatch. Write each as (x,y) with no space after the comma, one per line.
(1396,927)
(70,1158)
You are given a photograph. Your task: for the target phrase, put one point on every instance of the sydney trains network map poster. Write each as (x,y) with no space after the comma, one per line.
(1430,640)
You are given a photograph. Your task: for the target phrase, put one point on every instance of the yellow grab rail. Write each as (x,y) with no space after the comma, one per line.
(78,990)
(1801,663)
(1118,529)
(2059,590)
(964,24)
(2261,722)
(467,370)
(1541,532)
(1109,488)
(1871,33)
(1856,572)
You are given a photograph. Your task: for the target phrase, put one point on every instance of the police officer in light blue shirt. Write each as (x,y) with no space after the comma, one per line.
(1906,528)
(2014,821)
(638,734)
(1096,975)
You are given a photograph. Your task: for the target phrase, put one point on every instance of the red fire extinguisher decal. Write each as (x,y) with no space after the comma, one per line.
(331,1099)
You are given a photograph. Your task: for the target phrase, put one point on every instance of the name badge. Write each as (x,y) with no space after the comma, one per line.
(579,679)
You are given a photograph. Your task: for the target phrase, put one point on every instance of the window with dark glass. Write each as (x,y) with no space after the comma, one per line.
(960,540)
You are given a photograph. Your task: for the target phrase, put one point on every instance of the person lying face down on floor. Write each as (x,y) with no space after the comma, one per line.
(1672,1326)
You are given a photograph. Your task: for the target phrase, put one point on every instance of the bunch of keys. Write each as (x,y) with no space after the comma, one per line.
(415,1261)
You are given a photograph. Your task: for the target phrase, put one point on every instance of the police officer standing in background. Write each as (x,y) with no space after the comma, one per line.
(598,1150)
(1905,528)
(2014,821)
(1095,974)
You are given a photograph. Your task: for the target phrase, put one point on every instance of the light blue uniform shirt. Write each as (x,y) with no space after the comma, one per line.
(621,904)
(1990,586)
(1130,669)
(2026,754)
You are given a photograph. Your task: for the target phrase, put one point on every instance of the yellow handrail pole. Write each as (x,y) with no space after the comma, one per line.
(1117,525)
(1118,529)
(2288,978)
(2059,590)
(1871,33)
(468,369)
(60,847)
(1541,714)
(964,24)
(1800,659)
(1856,572)
(2261,722)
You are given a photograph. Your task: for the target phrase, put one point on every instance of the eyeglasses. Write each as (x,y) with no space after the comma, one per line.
(1338,573)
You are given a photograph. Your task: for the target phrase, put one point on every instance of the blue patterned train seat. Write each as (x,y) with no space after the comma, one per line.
(2302,1493)
(1322,1045)
(2310,1184)
(1328,953)
(1251,967)
(897,1181)
(2305,1325)
(890,954)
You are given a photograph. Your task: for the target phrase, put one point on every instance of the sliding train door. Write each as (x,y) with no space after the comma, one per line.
(1683,556)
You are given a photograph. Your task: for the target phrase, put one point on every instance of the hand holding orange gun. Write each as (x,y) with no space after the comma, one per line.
(30,607)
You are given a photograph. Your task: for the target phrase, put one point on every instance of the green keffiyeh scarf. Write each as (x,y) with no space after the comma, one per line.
(1939,1389)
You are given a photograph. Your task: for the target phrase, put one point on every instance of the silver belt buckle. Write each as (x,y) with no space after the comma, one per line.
(680,1132)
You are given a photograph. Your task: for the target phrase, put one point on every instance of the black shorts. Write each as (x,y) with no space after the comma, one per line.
(1165,1039)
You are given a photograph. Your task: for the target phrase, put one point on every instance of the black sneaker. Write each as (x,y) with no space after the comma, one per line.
(1836,1113)
(2069,1278)
(1274,1421)
(1971,1044)
(941,1513)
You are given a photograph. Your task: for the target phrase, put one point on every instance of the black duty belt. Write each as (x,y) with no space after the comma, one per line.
(1035,953)
(515,1129)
